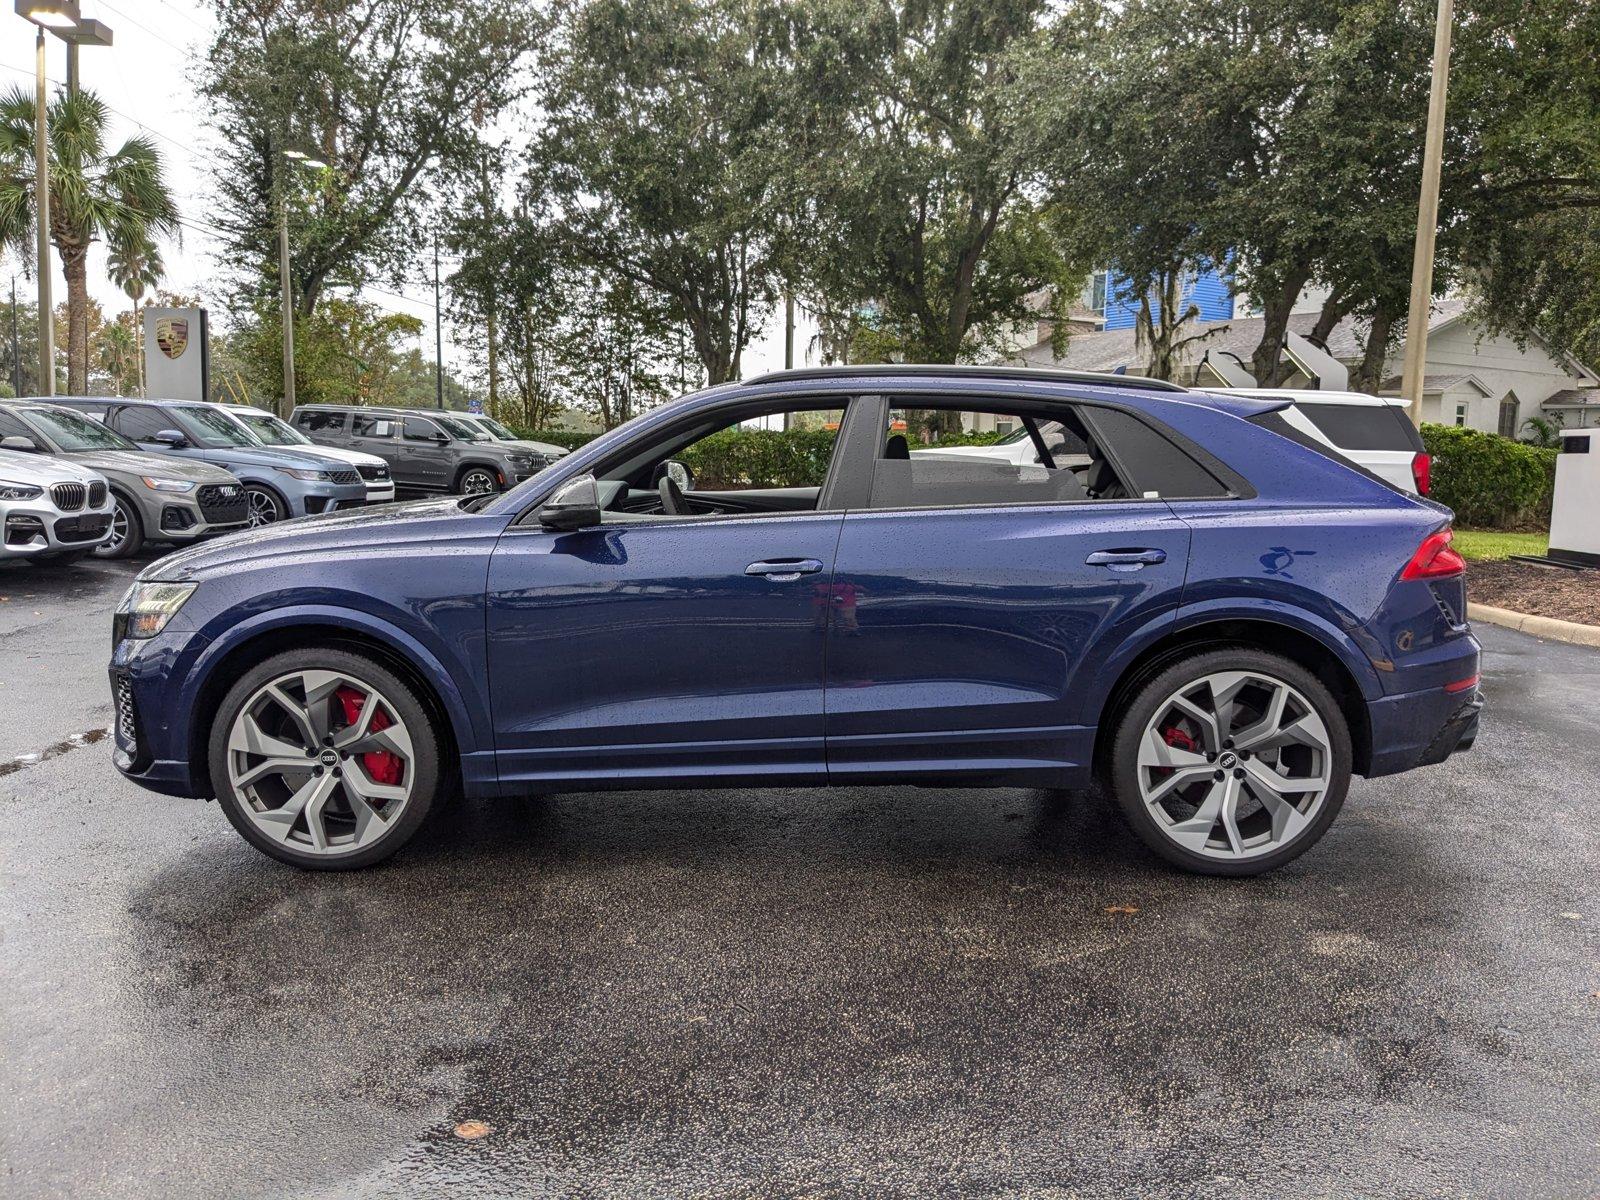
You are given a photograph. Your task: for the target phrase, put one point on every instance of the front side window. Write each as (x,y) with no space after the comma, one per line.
(72,431)
(418,430)
(142,424)
(209,427)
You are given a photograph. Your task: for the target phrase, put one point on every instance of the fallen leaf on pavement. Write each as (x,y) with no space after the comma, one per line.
(1122,908)
(471,1131)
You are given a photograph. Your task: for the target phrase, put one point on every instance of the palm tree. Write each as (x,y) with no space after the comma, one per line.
(135,269)
(121,197)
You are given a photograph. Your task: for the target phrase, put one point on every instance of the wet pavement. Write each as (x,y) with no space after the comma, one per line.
(853,992)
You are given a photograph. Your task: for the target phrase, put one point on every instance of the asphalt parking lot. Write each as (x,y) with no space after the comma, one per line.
(854,992)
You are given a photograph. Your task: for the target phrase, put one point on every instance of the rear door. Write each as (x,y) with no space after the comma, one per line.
(378,434)
(974,601)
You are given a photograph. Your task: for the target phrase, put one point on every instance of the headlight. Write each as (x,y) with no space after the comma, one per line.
(147,607)
(307,475)
(520,460)
(19,491)
(167,485)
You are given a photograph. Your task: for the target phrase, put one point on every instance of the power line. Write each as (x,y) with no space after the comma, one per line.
(138,24)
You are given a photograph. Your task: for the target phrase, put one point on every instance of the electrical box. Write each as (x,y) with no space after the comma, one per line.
(1575,513)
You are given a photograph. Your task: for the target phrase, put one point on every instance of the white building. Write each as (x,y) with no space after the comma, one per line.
(1470,379)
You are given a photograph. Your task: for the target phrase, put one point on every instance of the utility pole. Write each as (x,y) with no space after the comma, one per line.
(788,345)
(1416,356)
(286,290)
(16,344)
(41,203)
(438,330)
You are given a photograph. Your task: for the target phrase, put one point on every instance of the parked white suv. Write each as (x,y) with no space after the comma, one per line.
(1374,432)
(51,509)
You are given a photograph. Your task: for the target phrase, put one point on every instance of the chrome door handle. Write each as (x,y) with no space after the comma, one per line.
(784,570)
(1125,560)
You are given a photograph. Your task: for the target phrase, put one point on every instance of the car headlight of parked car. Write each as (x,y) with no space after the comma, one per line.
(167,485)
(520,460)
(147,607)
(19,491)
(306,474)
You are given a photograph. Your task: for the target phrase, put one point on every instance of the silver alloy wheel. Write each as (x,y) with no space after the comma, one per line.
(476,482)
(1234,765)
(302,753)
(119,532)
(264,507)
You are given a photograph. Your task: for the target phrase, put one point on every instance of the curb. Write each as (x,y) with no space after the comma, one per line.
(1540,627)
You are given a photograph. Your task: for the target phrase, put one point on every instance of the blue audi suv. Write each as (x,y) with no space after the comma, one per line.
(1180,593)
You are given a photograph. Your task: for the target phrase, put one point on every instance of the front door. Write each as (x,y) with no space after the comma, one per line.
(643,653)
(422,454)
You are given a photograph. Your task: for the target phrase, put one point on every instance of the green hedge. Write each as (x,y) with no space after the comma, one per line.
(761,458)
(569,438)
(1490,481)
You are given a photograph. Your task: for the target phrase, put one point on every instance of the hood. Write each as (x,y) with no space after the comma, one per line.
(157,466)
(353,458)
(42,470)
(272,456)
(333,537)
(544,448)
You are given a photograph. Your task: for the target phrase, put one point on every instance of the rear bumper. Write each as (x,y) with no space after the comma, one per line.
(1419,729)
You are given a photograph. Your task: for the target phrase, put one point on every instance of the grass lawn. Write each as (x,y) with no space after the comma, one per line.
(1480,544)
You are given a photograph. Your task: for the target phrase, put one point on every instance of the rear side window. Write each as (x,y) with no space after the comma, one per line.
(373,427)
(1363,426)
(312,421)
(1153,462)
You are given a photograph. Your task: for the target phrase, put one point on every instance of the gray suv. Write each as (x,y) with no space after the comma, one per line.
(279,482)
(430,451)
(158,498)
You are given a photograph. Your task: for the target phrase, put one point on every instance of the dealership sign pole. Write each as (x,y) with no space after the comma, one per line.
(1412,373)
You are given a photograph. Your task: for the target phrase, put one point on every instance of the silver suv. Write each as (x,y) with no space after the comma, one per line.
(158,498)
(427,452)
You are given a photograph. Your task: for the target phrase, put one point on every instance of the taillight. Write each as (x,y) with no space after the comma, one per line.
(1422,472)
(1434,559)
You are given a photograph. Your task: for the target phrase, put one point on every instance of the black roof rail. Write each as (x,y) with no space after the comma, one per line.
(1090,378)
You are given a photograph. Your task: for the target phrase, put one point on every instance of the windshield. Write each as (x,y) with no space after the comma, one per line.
(273,431)
(464,431)
(203,424)
(499,430)
(73,431)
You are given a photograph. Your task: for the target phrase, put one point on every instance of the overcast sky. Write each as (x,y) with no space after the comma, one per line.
(146,78)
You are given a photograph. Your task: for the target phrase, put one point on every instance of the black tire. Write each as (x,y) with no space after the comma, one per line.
(483,473)
(135,538)
(1142,708)
(263,500)
(411,711)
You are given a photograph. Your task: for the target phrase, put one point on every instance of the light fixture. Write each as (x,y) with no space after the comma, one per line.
(51,14)
(87,32)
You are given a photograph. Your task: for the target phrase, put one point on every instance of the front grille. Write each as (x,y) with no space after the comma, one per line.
(127,727)
(376,471)
(223,503)
(82,529)
(68,496)
(97,494)
(344,477)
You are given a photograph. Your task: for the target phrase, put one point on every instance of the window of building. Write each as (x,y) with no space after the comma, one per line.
(1461,414)
(1508,415)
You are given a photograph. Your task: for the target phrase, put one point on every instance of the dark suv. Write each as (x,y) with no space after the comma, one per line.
(432,452)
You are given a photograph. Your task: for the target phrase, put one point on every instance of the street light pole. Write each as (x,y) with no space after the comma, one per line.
(41,203)
(285,295)
(438,331)
(1416,357)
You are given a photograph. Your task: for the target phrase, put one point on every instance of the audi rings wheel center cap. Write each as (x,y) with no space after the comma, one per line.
(1228,761)
(329,758)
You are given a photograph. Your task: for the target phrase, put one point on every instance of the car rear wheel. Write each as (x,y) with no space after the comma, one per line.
(1232,762)
(127,532)
(475,481)
(324,759)
(265,506)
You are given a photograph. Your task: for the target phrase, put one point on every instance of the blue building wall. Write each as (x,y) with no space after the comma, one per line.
(1209,289)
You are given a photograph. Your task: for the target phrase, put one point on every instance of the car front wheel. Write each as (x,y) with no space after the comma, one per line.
(476,481)
(1232,762)
(265,507)
(324,759)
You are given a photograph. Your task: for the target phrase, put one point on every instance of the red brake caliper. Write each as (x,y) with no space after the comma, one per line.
(1179,740)
(382,766)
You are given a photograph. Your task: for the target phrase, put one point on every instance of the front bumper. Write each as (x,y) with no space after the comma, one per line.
(33,527)
(151,738)
(313,499)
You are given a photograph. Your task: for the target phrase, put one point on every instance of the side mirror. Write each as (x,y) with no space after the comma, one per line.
(17,442)
(171,437)
(678,472)
(575,505)
(442,439)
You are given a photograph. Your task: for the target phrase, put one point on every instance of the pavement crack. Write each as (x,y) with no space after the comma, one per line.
(55,751)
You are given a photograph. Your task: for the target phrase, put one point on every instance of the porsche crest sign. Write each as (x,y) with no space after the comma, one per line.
(176,353)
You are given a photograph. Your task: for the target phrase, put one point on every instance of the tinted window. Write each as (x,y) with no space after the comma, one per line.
(464,431)
(271,430)
(313,420)
(142,424)
(1363,426)
(212,426)
(363,425)
(497,429)
(419,430)
(11,427)
(1152,461)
